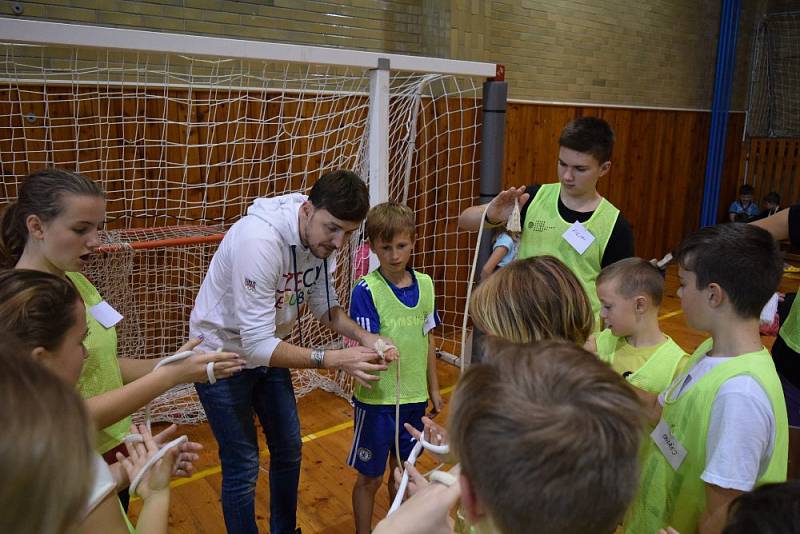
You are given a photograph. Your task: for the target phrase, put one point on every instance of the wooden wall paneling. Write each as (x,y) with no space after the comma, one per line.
(772,165)
(734,152)
(671,162)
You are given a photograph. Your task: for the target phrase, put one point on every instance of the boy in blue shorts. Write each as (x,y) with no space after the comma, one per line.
(398,303)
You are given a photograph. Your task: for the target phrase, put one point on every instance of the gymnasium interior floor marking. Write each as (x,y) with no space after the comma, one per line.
(264,452)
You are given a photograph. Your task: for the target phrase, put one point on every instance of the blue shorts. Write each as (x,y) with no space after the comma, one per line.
(373,435)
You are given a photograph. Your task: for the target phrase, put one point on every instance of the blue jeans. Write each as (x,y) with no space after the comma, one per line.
(229,405)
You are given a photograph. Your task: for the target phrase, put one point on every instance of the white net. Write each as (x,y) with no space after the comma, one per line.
(182,145)
(774,109)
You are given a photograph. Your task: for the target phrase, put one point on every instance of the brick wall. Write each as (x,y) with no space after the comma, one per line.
(653,53)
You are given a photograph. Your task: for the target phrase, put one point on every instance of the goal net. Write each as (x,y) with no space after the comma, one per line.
(774,107)
(183,142)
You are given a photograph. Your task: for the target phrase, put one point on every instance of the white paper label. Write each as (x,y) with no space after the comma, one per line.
(579,237)
(105,314)
(430,323)
(668,444)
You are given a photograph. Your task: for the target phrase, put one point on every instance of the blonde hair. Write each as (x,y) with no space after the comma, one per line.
(388,219)
(46,457)
(533,299)
(634,276)
(548,435)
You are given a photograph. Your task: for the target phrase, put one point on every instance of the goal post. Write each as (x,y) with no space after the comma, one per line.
(184,131)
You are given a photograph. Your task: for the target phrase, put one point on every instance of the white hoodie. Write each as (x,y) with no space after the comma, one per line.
(248,301)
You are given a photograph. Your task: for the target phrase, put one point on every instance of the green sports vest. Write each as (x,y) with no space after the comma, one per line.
(677,498)
(404,326)
(658,371)
(542,236)
(790,330)
(101,372)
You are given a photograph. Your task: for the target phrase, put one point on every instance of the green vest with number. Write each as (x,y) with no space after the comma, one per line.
(101,372)
(677,498)
(658,371)
(542,235)
(404,326)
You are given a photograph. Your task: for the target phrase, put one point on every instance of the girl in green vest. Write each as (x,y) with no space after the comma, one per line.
(43,317)
(54,226)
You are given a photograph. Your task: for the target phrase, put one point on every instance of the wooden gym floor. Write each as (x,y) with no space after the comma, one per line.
(326,425)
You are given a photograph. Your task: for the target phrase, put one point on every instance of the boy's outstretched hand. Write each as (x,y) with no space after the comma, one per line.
(434,434)
(499,209)
(427,512)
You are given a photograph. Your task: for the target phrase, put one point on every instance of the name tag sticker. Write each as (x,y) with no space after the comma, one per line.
(105,314)
(579,237)
(430,323)
(669,446)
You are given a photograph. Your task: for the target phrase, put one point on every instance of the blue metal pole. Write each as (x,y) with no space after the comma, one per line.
(723,86)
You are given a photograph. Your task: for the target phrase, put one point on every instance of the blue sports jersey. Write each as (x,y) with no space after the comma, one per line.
(362,307)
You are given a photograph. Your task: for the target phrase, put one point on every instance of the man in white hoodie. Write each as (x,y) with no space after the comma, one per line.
(271,262)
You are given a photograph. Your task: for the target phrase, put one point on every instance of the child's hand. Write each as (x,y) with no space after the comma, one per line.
(437,403)
(369,339)
(428,511)
(434,434)
(499,209)
(415,480)
(157,478)
(187,452)
(193,368)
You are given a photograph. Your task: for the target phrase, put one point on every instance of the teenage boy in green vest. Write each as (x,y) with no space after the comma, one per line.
(630,293)
(397,302)
(721,427)
(569,219)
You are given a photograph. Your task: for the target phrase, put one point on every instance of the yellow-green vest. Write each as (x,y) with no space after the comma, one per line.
(677,498)
(658,371)
(404,326)
(542,234)
(790,329)
(101,372)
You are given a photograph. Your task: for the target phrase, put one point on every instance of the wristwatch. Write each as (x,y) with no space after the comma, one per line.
(317,357)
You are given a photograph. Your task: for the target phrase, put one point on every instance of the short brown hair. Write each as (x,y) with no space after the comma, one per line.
(589,135)
(634,276)
(741,258)
(343,194)
(769,509)
(389,219)
(46,457)
(531,300)
(548,435)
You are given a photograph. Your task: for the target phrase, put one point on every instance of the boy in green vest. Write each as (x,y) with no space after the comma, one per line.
(569,219)
(630,292)
(398,303)
(721,427)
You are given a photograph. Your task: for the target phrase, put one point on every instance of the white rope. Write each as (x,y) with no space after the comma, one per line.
(137,438)
(512,225)
(381,347)
(412,459)
(212,379)
(152,461)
